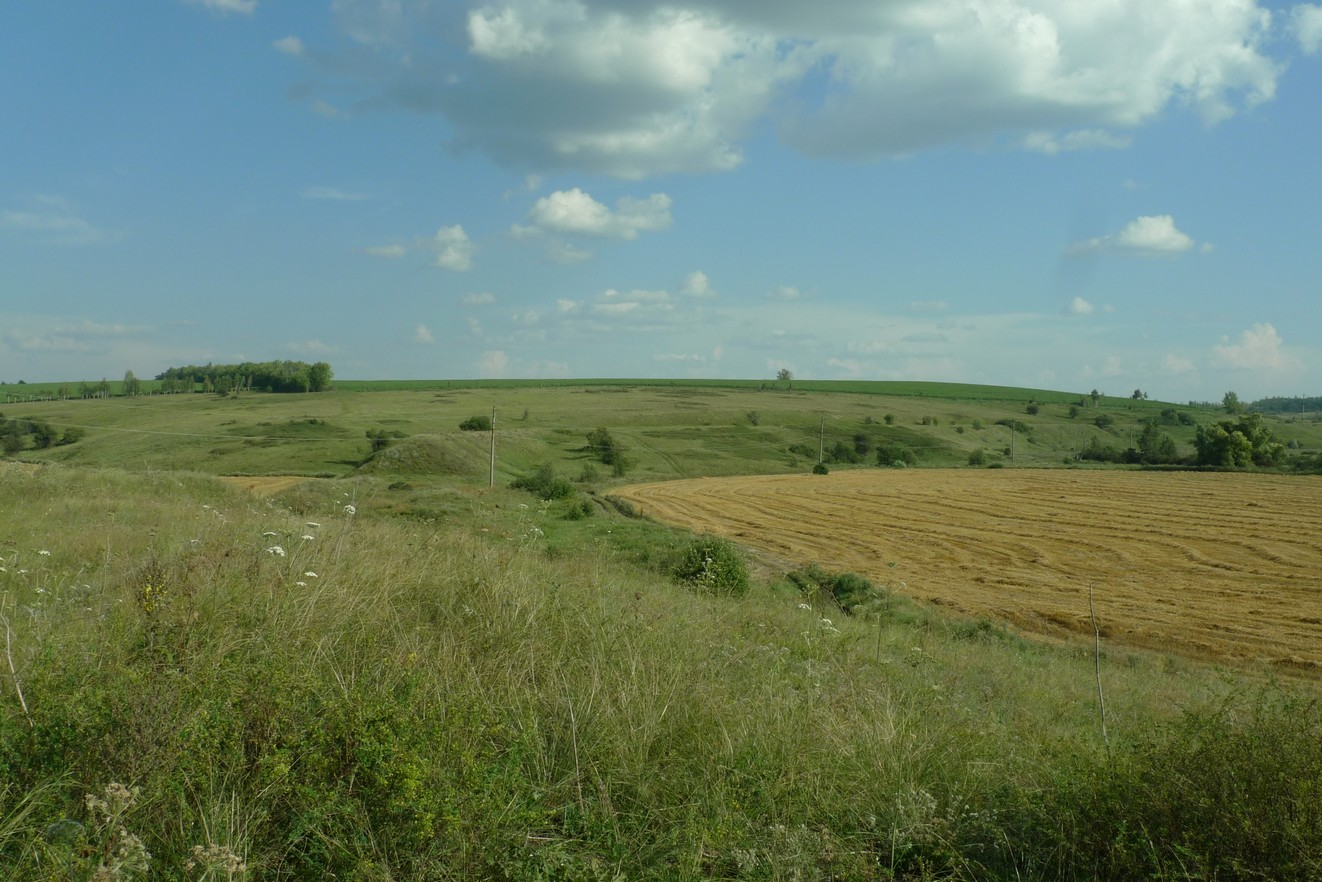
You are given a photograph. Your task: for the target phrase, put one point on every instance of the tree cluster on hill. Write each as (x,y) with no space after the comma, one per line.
(20,434)
(266,376)
(1240,442)
(1298,404)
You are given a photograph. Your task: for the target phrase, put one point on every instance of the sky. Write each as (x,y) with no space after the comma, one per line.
(1111,194)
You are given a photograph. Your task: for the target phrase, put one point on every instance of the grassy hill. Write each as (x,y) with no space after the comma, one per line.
(667,430)
(393,673)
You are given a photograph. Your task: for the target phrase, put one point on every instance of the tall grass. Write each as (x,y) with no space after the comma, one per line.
(439,702)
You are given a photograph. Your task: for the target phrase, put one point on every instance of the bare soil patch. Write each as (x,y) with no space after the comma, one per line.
(1210,565)
(264,485)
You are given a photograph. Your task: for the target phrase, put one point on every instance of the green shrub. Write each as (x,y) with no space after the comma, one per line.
(978,457)
(848,590)
(894,454)
(544,483)
(713,565)
(820,469)
(476,424)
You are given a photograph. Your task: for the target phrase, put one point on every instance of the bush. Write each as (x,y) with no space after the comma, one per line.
(1104,420)
(978,457)
(713,565)
(820,469)
(893,454)
(604,447)
(544,483)
(476,424)
(1032,410)
(849,590)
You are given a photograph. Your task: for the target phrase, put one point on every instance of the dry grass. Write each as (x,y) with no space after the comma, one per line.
(1207,565)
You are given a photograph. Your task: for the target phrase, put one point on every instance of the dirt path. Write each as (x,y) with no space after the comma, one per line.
(1209,565)
(264,485)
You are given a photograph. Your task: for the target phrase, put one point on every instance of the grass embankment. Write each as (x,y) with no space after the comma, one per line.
(667,431)
(461,701)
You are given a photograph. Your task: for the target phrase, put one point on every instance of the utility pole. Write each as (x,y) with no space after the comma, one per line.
(821,442)
(492,482)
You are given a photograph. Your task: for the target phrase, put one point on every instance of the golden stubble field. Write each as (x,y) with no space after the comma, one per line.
(1208,565)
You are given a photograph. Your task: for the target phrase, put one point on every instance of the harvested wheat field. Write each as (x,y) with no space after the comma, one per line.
(1209,565)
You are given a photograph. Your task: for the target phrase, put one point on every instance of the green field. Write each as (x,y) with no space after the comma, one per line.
(389,671)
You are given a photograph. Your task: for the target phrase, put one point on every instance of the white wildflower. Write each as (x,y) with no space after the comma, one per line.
(350,510)
(276,550)
(268,533)
(307,536)
(310,574)
(804,606)
(313,524)
(44,553)
(301,584)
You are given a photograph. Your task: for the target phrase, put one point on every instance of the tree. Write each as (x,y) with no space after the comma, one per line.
(1237,443)
(132,385)
(1095,396)
(786,376)
(1230,401)
(319,377)
(1139,395)
(604,447)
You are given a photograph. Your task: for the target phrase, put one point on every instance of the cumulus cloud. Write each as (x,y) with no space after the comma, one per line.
(422,334)
(656,86)
(575,212)
(290,45)
(1079,306)
(493,363)
(454,250)
(696,284)
(1306,25)
(1258,348)
(1150,236)
(785,293)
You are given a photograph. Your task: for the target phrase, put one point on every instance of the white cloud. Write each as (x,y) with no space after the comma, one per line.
(244,7)
(52,221)
(1175,364)
(1080,139)
(388,251)
(454,250)
(1079,306)
(290,45)
(696,284)
(482,298)
(422,334)
(310,347)
(928,306)
(785,292)
(1306,25)
(656,86)
(493,363)
(575,212)
(1258,348)
(1150,236)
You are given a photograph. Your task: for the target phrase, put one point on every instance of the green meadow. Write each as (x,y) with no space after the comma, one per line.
(392,670)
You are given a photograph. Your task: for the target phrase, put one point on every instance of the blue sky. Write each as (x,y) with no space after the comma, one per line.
(1067,195)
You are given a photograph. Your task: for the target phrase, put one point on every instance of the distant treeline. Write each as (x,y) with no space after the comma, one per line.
(1287,405)
(266,376)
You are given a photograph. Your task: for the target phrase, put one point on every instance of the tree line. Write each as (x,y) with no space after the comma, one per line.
(266,376)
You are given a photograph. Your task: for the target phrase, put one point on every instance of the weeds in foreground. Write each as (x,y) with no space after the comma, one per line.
(445,704)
